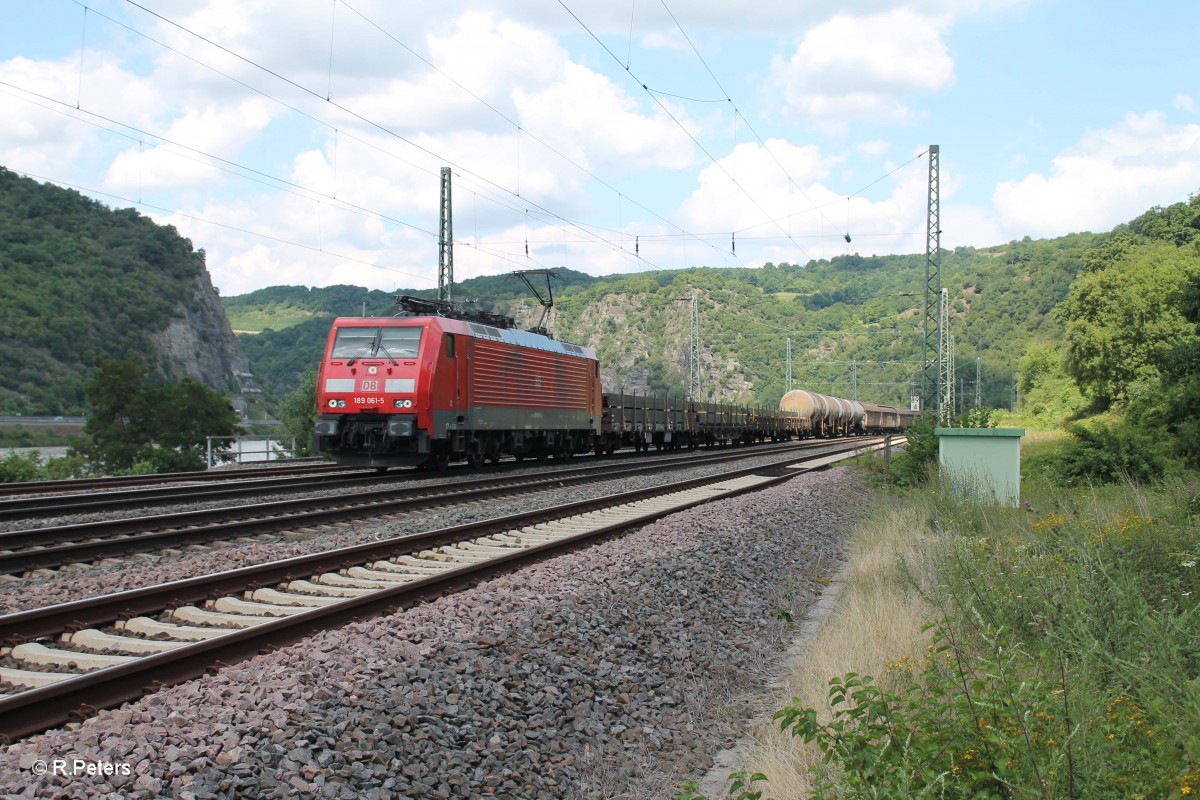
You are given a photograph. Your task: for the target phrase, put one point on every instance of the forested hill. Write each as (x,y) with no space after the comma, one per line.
(80,282)
(855,323)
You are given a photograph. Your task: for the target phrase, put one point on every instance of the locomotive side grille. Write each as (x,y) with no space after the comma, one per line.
(511,377)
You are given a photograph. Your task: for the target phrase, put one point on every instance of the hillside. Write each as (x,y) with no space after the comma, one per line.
(83,282)
(855,323)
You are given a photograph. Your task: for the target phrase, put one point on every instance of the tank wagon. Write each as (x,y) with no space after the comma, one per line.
(824,416)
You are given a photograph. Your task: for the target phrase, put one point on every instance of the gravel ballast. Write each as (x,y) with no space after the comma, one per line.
(615,671)
(79,581)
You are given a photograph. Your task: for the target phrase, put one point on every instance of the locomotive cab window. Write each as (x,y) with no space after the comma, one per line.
(352,342)
(375,342)
(450,347)
(400,342)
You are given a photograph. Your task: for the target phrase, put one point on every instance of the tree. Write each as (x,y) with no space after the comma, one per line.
(1046,389)
(1173,406)
(1122,320)
(136,421)
(120,423)
(298,412)
(185,414)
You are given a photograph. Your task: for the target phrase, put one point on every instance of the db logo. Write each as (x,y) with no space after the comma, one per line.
(370,386)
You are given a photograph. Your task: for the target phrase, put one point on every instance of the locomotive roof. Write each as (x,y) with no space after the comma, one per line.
(511,336)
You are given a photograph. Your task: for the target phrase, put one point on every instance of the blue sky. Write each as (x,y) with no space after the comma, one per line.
(300,142)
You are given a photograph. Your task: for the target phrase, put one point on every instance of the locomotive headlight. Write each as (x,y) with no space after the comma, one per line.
(336,403)
(402,404)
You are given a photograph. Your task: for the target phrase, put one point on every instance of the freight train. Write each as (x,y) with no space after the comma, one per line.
(434,384)
(826,416)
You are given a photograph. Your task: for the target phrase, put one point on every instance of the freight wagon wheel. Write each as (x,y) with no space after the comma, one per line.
(475,460)
(441,460)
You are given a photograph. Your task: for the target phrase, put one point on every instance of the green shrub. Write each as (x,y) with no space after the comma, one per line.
(914,466)
(1107,454)
(61,469)
(1064,663)
(18,467)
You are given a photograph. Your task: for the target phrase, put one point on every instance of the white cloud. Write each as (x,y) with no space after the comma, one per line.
(40,128)
(812,213)
(1110,177)
(586,116)
(875,147)
(1184,102)
(863,67)
(218,131)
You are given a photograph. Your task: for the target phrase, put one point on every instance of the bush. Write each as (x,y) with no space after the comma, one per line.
(1063,665)
(18,467)
(916,463)
(1107,454)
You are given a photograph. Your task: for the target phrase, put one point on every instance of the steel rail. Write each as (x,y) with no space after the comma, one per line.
(250,482)
(40,709)
(45,548)
(205,476)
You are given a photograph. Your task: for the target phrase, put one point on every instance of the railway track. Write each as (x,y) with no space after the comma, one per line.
(23,551)
(244,482)
(64,662)
(132,481)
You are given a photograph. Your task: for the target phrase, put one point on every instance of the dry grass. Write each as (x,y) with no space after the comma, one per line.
(877,620)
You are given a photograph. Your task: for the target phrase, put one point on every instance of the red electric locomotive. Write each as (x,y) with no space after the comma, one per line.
(426,389)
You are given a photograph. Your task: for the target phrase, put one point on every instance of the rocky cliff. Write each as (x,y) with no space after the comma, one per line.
(199,343)
(84,283)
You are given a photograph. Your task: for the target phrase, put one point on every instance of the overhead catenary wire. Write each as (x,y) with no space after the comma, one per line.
(351,112)
(767,150)
(92,190)
(488,190)
(485,190)
(565,158)
(274,182)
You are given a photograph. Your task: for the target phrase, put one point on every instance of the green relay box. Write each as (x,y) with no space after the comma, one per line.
(983,463)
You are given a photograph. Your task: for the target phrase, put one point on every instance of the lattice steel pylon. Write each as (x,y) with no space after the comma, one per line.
(931,370)
(788,386)
(694,350)
(945,360)
(446,242)
(978,384)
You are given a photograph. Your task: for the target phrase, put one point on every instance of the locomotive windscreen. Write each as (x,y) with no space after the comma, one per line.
(374,342)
